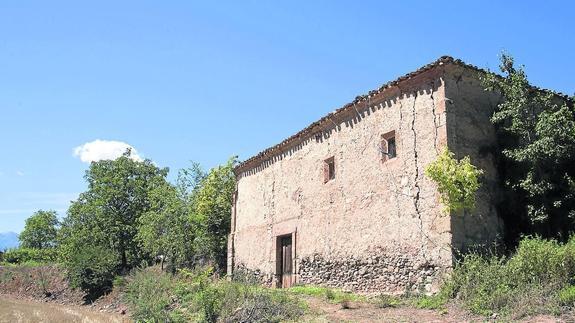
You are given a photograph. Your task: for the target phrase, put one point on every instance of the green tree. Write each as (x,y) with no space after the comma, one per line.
(104,218)
(189,180)
(537,134)
(211,204)
(165,230)
(40,230)
(457,181)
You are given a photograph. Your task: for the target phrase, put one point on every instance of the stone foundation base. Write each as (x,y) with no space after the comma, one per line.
(376,274)
(252,276)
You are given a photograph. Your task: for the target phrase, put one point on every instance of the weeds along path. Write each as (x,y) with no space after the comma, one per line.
(16,310)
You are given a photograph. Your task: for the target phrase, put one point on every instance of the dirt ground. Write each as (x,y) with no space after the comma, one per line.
(324,311)
(48,285)
(23,311)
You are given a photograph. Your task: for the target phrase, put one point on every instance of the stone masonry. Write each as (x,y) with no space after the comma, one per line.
(377,224)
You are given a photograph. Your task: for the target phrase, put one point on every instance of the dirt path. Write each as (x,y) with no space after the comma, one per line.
(324,311)
(16,310)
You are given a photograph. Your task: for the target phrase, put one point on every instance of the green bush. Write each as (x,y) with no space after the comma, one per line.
(29,255)
(538,260)
(93,270)
(534,280)
(149,295)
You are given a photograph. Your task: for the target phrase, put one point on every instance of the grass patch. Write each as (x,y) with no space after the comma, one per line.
(387,301)
(433,302)
(567,296)
(331,294)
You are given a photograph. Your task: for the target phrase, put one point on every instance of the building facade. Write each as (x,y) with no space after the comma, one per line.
(345,202)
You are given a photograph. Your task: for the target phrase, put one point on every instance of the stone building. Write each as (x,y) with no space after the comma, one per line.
(345,202)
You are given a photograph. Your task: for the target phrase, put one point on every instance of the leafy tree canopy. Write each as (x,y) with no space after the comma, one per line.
(538,139)
(165,230)
(105,217)
(211,205)
(40,231)
(188,224)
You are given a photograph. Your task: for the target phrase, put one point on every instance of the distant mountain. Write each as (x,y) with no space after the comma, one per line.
(8,240)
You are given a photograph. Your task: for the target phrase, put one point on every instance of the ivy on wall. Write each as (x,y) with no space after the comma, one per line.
(457,181)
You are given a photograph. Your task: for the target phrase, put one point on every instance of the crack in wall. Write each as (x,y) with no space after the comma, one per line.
(415,159)
(416,197)
(434,116)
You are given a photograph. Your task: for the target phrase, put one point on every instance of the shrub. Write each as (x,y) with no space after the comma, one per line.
(218,300)
(534,280)
(538,260)
(244,303)
(208,302)
(29,255)
(93,270)
(149,295)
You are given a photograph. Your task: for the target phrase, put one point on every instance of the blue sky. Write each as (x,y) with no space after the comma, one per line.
(183,80)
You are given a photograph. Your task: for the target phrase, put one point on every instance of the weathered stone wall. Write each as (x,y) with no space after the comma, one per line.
(378,226)
(471,133)
(380,272)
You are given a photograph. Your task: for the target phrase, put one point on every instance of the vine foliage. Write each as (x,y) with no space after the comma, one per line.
(457,181)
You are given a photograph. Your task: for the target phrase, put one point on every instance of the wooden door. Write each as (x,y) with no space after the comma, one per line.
(286,261)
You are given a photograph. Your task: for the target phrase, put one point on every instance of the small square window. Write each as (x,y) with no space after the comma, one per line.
(388,146)
(328,170)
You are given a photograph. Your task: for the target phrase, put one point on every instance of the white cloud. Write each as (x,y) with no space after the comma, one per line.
(19,173)
(103,150)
